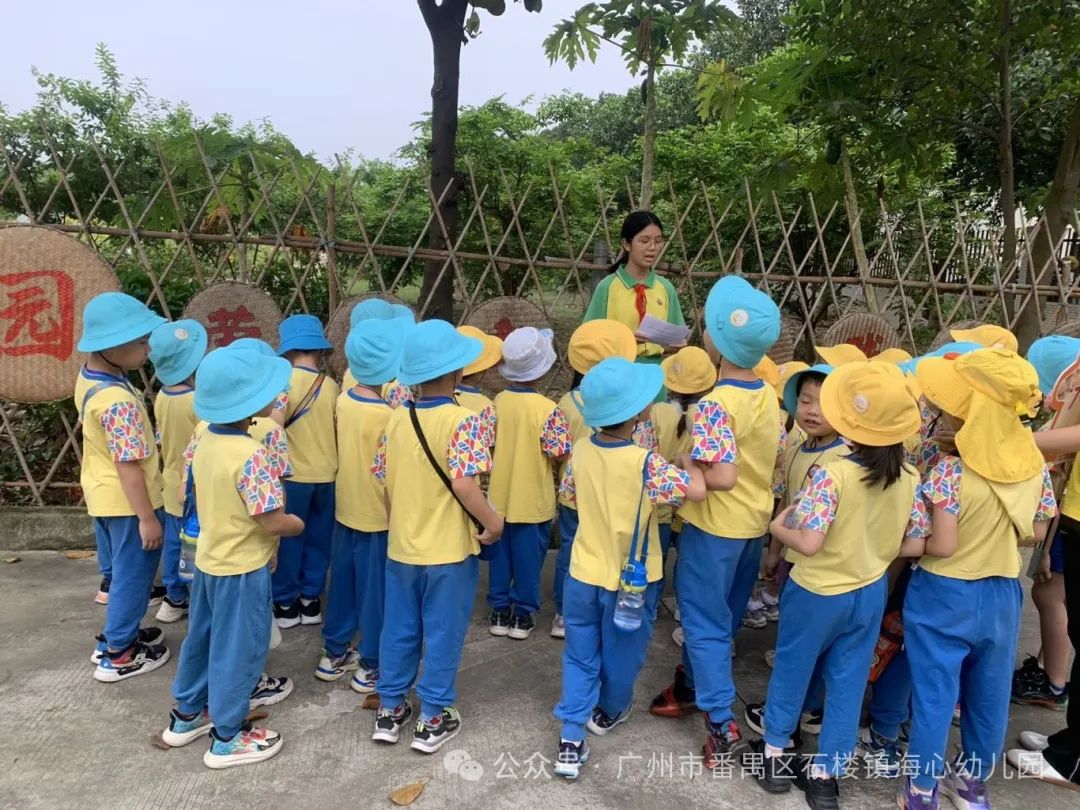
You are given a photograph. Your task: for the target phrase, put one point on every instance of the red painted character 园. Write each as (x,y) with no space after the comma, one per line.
(37,313)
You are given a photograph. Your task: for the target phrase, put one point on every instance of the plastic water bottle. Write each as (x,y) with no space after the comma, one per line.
(630,602)
(189,537)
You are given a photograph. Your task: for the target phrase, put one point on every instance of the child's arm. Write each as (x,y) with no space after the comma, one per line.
(1046,512)
(125,432)
(467,456)
(713,446)
(133,483)
(698,488)
(913,547)
(264,497)
(918,528)
(810,515)
(555,437)
(277,413)
(941,492)
(943,539)
(474,500)
(1059,442)
(807,542)
(279,523)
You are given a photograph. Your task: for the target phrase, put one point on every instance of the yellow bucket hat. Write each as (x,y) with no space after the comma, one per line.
(598,340)
(689,371)
(491,354)
(943,386)
(768,371)
(989,335)
(840,354)
(785,371)
(891,356)
(870,403)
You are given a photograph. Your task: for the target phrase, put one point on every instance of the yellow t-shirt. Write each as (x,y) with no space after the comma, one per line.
(475,400)
(174,411)
(573,407)
(1070,501)
(798,459)
(233,482)
(737,423)
(312,449)
(361,423)
(116,428)
(666,417)
(532,431)
(427,525)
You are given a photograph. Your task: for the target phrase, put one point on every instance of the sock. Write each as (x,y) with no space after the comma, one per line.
(183,716)
(773,751)
(1055,689)
(921,791)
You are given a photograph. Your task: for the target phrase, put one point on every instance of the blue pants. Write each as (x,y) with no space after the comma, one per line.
(304,560)
(132,577)
(600,662)
(568,523)
(225,649)
(515,563)
(428,608)
(890,697)
(965,653)
(177,589)
(837,633)
(716,576)
(355,601)
(104,553)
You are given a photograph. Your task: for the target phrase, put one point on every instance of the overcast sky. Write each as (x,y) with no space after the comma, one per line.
(331,74)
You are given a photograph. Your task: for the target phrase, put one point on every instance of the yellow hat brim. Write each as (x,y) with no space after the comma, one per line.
(989,335)
(861,429)
(689,371)
(840,354)
(891,356)
(489,357)
(942,386)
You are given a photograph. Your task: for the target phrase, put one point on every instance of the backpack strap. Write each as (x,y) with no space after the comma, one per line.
(436,466)
(93,391)
(637,519)
(311,395)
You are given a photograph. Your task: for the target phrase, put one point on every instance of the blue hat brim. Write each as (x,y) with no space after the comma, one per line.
(139,329)
(196,351)
(275,377)
(791,387)
(459,355)
(305,343)
(644,383)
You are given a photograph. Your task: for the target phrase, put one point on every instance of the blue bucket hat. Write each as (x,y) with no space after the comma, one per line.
(434,348)
(373,349)
(743,322)
(616,390)
(253,344)
(791,387)
(1051,355)
(112,319)
(956,347)
(402,312)
(371,309)
(234,384)
(302,333)
(176,349)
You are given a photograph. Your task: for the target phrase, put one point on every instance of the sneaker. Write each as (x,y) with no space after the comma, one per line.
(1028,671)
(171,611)
(500,622)
(1036,690)
(882,755)
(269,691)
(310,611)
(770,658)
(678,700)
(558,626)
(1033,741)
(331,668)
(249,746)
(678,636)
(389,722)
(724,744)
(138,659)
(821,794)
(1033,765)
(157,595)
(755,620)
(965,791)
(520,626)
(102,596)
(146,635)
(911,799)
(570,759)
(774,774)
(183,730)
(600,723)
(772,613)
(956,715)
(431,735)
(810,722)
(755,720)
(364,680)
(772,606)
(755,604)
(287,616)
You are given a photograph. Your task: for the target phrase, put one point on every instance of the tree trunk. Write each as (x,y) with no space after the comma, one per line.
(851,204)
(649,139)
(445,24)
(1006,169)
(1059,210)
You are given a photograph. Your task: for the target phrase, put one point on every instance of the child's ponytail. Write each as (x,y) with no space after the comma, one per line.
(883,464)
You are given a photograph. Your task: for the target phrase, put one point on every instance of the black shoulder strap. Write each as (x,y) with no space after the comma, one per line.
(435,464)
(309,397)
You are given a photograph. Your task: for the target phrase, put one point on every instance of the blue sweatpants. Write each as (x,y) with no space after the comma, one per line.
(428,608)
(568,523)
(890,697)
(176,588)
(515,563)
(837,633)
(961,638)
(304,560)
(104,553)
(132,577)
(715,578)
(600,661)
(357,593)
(225,649)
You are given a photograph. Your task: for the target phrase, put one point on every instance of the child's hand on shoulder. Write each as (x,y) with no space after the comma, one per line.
(492,533)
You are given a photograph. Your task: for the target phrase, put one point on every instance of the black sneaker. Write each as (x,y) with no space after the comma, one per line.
(138,659)
(810,722)
(269,691)
(755,719)
(389,722)
(146,635)
(520,626)
(774,774)
(724,744)
(1039,692)
(500,622)
(287,616)
(600,724)
(157,593)
(102,596)
(570,759)
(310,611)
(432,735)
(821,794)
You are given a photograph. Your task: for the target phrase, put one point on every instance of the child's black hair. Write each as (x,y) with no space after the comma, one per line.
(883,464)
(808,376)
(611,428)
(686,401)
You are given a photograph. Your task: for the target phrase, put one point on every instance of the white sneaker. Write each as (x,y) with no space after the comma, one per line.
(1033,741)
(558,627)
(181,732)
(364,680)
(170,611)
(331,669)
(1034,764)
(138,659)
(677,636)
(246,748)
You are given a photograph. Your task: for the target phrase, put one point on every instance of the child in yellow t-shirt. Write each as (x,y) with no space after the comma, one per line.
(430,457)
(468,392)
(533,433)
(308,418)
(617,487)
(176,349)
(241,511)
(376,309)
(121,479)
(358,558)
(590,343)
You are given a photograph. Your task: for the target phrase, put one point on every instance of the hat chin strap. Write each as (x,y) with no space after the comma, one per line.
(105,357)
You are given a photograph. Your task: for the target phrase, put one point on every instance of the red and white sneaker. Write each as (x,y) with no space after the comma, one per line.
(249,746)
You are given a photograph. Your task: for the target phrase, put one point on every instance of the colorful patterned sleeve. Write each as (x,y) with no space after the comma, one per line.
(489,420)
(1047,503)
(281,401)
(259,486)
(555,437)
(779,485)
(277,448)
(816,505)
(941,489)
(919,521)
(567,488)
(398,394)
(645,435)
(929,455)
(378,467)
(712,440)
(467,455)
(665,484)
(125,432)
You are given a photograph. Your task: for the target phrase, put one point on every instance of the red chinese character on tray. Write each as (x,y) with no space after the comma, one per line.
(503,327)
(870,344)
(37,313)
(227,325)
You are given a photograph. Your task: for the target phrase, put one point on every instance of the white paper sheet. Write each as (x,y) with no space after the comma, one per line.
(655,330)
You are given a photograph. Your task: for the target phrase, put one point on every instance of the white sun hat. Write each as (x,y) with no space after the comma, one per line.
(528,354)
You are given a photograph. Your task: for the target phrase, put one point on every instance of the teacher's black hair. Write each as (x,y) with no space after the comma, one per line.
(883,464)
(635,223)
